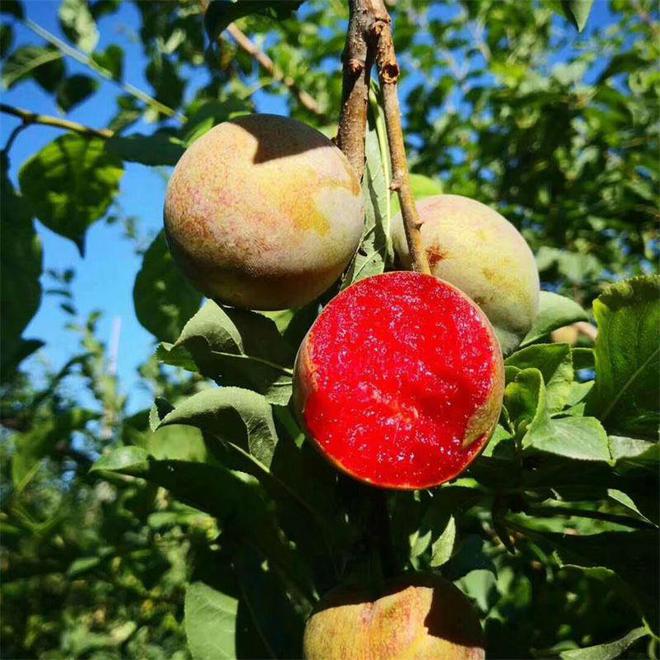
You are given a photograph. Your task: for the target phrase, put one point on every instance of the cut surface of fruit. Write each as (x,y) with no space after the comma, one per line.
(479,251)
(400,381)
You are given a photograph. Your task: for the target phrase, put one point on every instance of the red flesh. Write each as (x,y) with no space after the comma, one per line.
(400,381)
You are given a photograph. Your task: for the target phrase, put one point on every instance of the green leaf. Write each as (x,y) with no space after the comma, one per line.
(625,500)
(6,39)
(112,60)
(10,360)
(129,111)
(633,449)
(78,24)
(82,565)
(524,398)
(176,443)
(21,257)
(633,556)
(210,623)
(577,12)
(125,460)
(221,13)
(443,546)
(273,616)
(210,488)
(70,184)
(437,528)
(164,299)
(581,438)
(234,415)
(74,90)
(101,8)
(38,442)
(163,74)
(13,8)
(583,358)
(158,411)
(202,118)
(45,64)
(156,149)
(234,498)
(469,556)
(235,347)
(608,651)
(554,312)
(625,396)
(555,364)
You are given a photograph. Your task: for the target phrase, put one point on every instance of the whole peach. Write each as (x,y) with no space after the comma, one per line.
(479,251)
(420,617)
(263,212)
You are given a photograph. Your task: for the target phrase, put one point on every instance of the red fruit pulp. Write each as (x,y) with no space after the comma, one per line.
(400,381)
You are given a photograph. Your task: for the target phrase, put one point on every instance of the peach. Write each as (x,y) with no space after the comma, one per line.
(399,381)
(477,250)
(263,212)
(420,617)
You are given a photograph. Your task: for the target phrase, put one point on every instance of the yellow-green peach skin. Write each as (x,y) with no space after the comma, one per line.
(480,252)
(424,618)
(263,212)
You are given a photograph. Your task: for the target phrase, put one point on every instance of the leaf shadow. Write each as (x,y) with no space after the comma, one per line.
(276,140)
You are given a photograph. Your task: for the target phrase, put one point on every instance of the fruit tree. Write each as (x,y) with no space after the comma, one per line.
(387,385)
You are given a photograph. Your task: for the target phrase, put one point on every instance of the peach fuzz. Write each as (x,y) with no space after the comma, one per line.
(263,212)
(476,249)
(423,616)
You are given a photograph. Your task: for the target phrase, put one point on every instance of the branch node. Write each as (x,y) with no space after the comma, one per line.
(355,66)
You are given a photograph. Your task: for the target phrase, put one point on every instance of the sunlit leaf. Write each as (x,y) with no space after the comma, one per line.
(627,350)
(44,64)
(220,13)
(554,312)
(78,24)
(210,620)
(70,184)
(21,256)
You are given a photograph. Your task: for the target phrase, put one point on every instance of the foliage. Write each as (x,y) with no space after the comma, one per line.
(208,517)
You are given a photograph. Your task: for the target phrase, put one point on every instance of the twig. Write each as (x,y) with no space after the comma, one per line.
(46,120)
(369,39)
(81,57)
(388,73)
(12,137)
(244,42)
(358,58)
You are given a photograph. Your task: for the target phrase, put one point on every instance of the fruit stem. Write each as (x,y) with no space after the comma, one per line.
(369,40)
(382,535)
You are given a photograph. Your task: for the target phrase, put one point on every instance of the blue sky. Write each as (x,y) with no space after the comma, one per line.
(104,278)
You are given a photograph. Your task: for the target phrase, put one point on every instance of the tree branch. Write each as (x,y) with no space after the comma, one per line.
(369,40)
(12,137)
(81,57)
(388,73)
(46,120)
(246,44)
(358,59)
